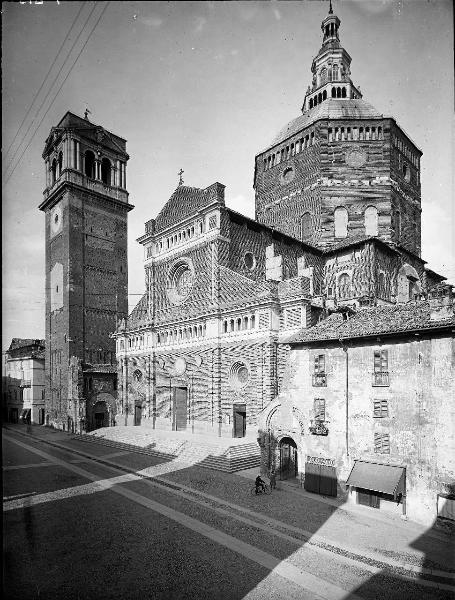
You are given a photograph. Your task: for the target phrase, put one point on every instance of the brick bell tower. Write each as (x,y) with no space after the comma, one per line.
(86,208)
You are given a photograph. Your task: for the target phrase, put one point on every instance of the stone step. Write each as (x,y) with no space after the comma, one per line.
(203,453)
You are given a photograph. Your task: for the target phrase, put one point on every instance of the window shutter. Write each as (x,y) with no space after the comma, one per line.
(321,363)
(380,408)
(377,361)
(384,360)
(319,409)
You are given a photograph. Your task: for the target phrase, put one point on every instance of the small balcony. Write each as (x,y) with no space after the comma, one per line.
(318,428)
(381,379)
(319,380)
(95,185)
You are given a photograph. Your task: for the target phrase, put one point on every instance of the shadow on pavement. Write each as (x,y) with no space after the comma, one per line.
(113,549)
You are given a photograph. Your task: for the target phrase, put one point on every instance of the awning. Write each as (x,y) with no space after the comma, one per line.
(378,478)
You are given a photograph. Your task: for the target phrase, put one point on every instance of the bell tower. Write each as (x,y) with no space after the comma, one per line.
(86,208)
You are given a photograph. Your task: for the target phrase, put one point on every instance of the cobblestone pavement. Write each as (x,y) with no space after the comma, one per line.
(345,548)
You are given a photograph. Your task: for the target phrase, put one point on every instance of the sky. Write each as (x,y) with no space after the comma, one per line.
(203,87)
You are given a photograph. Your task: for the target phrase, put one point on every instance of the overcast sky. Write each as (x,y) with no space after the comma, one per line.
(204,86)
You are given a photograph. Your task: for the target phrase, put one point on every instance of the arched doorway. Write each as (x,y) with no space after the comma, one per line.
(101,412)
(100,415)
(288,458)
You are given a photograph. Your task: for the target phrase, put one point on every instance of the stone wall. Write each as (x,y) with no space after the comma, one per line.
(418,419)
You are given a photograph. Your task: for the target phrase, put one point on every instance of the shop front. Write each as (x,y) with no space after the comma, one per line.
(379,486)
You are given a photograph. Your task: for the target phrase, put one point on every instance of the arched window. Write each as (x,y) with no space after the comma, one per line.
(239,324)
(344,286)
(324,95)
(334,73)
(338,92)
(106,171)
(305,225)
(89,166)
(319,98)
(323,75)
(334,92)
(371,221)
(252,322)
(54,171)
(343,92)
(398,223)
(381,284)
(341,222)
(311,102)
(60,163)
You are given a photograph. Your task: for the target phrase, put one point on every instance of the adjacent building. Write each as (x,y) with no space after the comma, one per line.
(23,381)
(367,407)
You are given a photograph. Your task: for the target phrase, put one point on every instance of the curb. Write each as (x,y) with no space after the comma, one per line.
(377,560)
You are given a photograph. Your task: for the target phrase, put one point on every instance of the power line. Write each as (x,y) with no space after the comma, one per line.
(47,95)
(44,80)
(56,94)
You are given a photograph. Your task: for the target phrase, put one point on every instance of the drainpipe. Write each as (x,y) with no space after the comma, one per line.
(345,349)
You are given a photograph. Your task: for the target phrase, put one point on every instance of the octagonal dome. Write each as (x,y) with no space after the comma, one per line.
(332,108)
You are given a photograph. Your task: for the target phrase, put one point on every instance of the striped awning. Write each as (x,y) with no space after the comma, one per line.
(378,478)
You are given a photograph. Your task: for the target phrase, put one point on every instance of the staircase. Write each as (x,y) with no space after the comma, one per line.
(219,454)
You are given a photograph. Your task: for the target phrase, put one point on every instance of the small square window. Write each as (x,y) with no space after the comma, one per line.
(382,443)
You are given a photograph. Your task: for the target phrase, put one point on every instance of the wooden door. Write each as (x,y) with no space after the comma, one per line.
(239,420)
(288,459)
(320,479)
(137,414)
(99,420)
(180,412)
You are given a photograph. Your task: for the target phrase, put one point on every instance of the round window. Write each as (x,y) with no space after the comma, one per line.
(239,375)
(181,280)
(250,261)
(179,366)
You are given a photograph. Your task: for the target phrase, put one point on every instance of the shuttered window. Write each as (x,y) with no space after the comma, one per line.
(319,363)
(382,443)
(319,409)
(380,408)
(381,361)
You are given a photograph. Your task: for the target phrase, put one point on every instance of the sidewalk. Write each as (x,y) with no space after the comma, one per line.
(354,530)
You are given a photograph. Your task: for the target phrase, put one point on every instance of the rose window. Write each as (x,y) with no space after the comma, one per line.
(180,282)
(239,375)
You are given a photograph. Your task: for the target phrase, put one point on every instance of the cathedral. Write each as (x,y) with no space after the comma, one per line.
(314,328)
(337,223)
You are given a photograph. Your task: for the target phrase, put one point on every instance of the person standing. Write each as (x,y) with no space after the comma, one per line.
(272,478)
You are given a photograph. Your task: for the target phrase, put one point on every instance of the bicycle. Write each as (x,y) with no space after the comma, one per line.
(261,490)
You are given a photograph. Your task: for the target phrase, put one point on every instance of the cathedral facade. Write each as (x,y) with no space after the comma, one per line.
(337,223)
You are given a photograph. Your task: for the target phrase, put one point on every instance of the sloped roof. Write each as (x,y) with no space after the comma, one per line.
(86,129)
(17,343)
(236,288)
(183,203)
(139,312)
(332,108)
(379,320)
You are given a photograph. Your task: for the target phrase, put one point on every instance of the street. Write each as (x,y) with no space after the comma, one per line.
(76,527)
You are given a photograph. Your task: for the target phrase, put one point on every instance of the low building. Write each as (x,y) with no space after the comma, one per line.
(367,407)
(24,381)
